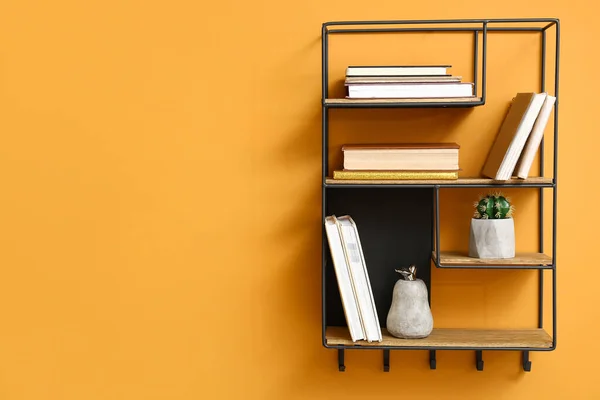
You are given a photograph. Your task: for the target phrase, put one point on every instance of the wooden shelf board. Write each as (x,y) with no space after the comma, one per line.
(448,182)
(403,101)
(451,338)
(450,258)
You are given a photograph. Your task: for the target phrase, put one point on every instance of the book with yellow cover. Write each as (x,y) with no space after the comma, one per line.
(391,175)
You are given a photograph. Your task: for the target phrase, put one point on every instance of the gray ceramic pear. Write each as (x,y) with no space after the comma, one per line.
(409,316)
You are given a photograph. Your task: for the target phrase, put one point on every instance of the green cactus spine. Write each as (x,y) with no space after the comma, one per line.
(493,206)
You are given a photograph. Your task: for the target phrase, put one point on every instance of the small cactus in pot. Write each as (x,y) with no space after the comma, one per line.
(492,228)
(493,206)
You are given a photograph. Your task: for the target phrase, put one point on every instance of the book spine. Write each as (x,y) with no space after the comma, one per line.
(391,175)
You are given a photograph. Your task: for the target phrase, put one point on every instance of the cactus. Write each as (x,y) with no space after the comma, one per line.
(493,206)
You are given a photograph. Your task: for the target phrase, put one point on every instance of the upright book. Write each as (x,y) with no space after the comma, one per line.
(511,137)
(344,279)
(360,278)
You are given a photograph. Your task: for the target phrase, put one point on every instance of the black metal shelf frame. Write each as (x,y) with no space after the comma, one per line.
(479,27)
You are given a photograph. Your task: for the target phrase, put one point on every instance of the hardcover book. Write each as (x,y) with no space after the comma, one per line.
(392,175)
(411,90)
(401,156)
(513,133)
(396,70)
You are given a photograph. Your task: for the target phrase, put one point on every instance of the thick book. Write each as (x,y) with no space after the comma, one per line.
(535,138)
(511,137)
(395,175)
(396,70)
(360,278)
(344,280)
(413,90)
(401,156)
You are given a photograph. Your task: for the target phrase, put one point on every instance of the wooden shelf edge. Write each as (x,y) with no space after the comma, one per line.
(450,338)
(451,258)
(448,182)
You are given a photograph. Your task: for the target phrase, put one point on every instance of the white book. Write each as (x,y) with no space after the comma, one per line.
(342,272)
(410,90)
(397,70)
(535,138)
(360,278)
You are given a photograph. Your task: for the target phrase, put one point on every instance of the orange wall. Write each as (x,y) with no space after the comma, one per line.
(160,208)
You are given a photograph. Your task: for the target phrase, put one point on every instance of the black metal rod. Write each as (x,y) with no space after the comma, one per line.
(437,225)
(541,197)
(421,30)
(541,298)
(324,64)
(341,366)
(386,360)
(432,360)
(324,149)
(484,62)
(479,360)
(551,21)
(475,60)
(325,144)
(433,240)
(324,246)
(555,191)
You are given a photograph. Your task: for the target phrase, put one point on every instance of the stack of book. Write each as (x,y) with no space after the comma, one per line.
(414,161)
(353,279)
(519,137)
(405,82)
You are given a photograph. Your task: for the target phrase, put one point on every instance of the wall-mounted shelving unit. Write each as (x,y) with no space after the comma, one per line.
(389,236)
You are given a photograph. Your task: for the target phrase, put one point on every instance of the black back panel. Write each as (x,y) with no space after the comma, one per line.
(395,228)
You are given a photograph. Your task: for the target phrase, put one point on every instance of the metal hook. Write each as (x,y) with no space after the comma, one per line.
(432,360)
(386,361)
(526,362)
(479,360)
(341,365)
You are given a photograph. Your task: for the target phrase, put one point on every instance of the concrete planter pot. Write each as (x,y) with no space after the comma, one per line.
(409,316)
(492,238)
